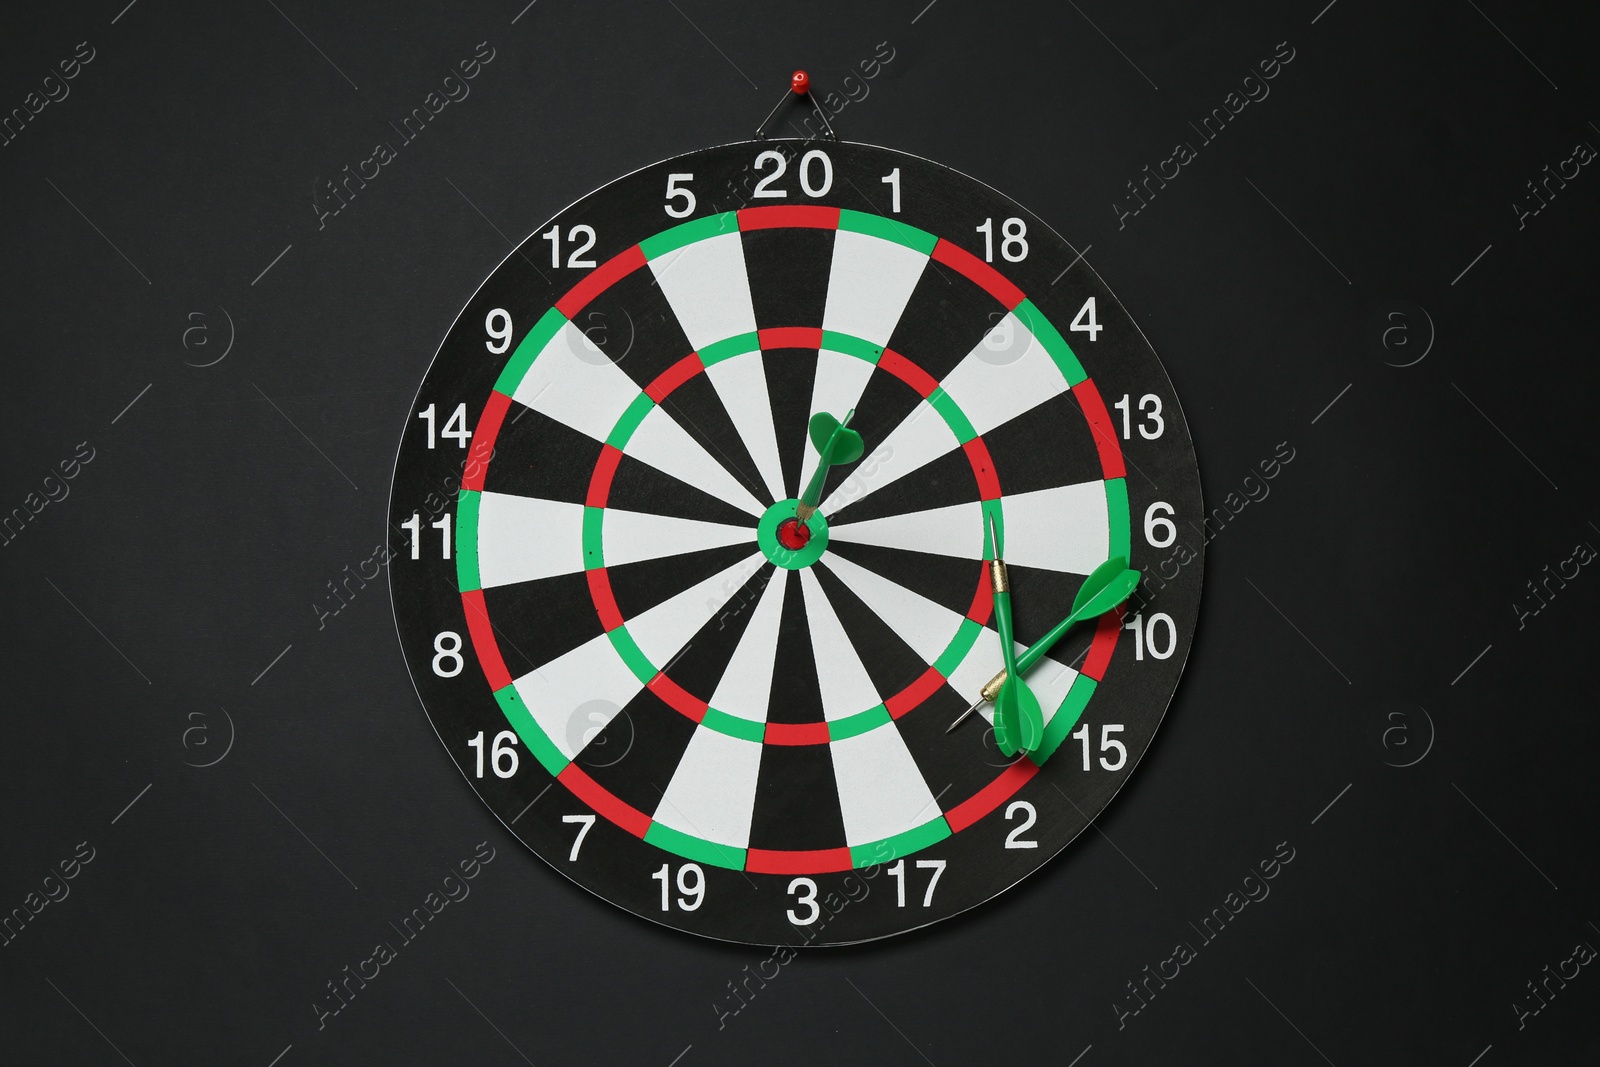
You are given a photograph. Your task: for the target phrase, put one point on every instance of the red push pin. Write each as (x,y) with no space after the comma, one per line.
(800,85)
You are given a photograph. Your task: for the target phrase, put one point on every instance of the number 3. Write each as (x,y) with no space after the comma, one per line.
(807,895)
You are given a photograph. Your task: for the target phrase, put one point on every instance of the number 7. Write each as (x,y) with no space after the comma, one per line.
(588,824)
(937,867)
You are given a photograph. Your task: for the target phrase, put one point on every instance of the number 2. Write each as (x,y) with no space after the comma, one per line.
(1015,839)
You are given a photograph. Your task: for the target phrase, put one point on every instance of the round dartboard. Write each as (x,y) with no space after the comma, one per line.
(674,694)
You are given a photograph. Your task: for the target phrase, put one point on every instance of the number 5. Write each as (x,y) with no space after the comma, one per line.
(674,191)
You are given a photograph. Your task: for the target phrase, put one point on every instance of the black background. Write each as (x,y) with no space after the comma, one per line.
(1379,575)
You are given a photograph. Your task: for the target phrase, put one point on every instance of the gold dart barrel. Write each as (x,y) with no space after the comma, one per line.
(991,688)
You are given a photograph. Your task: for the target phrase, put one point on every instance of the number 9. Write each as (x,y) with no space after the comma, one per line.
(500,333)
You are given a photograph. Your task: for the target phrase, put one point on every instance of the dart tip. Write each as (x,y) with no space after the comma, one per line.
(994,537)
(963,716)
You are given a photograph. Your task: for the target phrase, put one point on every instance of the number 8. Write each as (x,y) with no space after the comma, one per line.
(444,652)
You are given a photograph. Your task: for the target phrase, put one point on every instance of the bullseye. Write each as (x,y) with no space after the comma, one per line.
(794,534)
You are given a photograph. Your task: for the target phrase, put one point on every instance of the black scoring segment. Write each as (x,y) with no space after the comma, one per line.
(945,319)
(700,666)
(796,694)
(640,586)
(636,750)
(945,580)
(791,373)
(700,411)
(797,800)
(521,463)
(889,661)
(540,621)
(788,271)
(637,486)
(1047,446)
(939,483)
(631,324)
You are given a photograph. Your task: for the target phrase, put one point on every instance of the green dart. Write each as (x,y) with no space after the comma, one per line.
(1110,584)
(1018,719)
(835,444)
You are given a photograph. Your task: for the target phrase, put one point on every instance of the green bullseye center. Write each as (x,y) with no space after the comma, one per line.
(791,558)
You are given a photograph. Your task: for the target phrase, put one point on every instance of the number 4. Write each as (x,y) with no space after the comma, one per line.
(1085,322)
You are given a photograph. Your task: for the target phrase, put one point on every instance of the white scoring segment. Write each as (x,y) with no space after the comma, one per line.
(712,794)
(839,383)
(920,439)
(574,696)
(575,386)
(661,442)
(741,385)
(1061,529)
(706,284)
(662,631)
(868,286)
(956,530)
(923,624)
(632,536)
(521,539)
(881,791)
(844,683)
(1065,528)
(994,385)
(745,688)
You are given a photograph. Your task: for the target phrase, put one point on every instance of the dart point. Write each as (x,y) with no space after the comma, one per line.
(800,82)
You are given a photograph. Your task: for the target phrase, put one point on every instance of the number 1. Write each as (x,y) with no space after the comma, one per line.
(892,180)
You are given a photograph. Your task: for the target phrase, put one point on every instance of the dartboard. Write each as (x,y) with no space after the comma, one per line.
(685,705)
